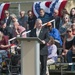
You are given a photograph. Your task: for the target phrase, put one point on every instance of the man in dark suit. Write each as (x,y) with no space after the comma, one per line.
(56,17)
(7,18)
(43,34)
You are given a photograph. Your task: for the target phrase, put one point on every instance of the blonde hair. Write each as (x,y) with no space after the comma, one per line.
(66,15)
(13,15)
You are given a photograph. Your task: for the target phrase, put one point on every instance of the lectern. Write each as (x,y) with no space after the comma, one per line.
(30,55)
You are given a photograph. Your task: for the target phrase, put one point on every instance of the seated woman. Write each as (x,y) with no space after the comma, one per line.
(52,53)
(68,41)
(3,45)
(70,54)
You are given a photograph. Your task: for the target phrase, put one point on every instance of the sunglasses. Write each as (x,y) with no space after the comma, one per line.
(69,31)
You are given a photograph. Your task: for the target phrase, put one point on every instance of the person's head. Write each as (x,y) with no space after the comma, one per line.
(51,41)
(6,13)
(69,31)
(72,12)
(63,12)
(38,23)
(22,13)
(3,24)
(14,17)
(55,13)
(49,25)
(42,12)
(30,14)
(66,18)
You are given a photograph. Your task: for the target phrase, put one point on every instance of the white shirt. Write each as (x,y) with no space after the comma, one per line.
(38,32)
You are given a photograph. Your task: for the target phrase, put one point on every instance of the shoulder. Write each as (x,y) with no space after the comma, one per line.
(6,37)
(54,29)
(54,46)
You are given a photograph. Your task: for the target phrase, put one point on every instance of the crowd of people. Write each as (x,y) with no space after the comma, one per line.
(62,35)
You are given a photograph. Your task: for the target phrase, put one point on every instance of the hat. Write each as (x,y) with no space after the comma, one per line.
(49,24)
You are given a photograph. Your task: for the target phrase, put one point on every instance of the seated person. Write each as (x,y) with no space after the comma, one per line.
(70,54)
(68,41)
(52,53)
(55,34)
(3,45)
(6,30)
(19,30)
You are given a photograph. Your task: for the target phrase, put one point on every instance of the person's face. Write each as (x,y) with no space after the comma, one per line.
(66,18)
(73,11)
(42,13)
(6,14)
(30,14)
(39,24)
(22,14)
(69,32)
(55,13)
(13,19)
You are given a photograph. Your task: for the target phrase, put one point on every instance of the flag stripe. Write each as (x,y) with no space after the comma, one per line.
(3,7)
(54,4)
(62,5)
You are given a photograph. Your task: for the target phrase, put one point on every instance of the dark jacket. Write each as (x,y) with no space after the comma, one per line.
(8,21)
(8,31)
(44,35)
(45,18)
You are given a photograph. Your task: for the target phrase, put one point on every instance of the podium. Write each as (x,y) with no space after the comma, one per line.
(30,55)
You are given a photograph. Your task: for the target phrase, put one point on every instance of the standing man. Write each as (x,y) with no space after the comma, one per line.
(31,19)
(23,19)
(56,17)
(7,18)
(41,33)
(43,16)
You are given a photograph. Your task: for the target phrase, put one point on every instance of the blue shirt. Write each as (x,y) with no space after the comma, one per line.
(56,35)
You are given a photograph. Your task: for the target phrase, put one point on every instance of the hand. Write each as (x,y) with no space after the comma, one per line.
(2,46)
(43,42)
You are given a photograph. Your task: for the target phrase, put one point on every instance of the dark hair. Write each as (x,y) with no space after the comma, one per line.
(29,11)
(71,12)
(42,9)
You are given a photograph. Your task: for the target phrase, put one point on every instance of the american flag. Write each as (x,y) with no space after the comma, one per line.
(3,7)
(48,6)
